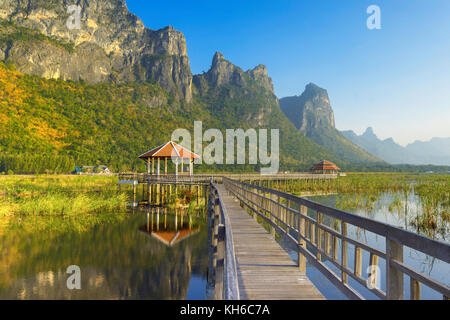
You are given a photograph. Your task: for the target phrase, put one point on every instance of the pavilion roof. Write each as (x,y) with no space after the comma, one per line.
(325,165)
(170,237)
(169,149)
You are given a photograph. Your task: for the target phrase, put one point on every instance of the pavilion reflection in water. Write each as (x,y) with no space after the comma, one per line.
(169,227)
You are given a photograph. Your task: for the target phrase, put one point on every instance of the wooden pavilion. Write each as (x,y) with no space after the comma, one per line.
(169,150)
(325,166)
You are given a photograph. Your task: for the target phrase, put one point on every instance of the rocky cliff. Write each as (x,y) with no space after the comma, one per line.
(111,44)
(312,114)
(227,83)
(223,72)
(310,110)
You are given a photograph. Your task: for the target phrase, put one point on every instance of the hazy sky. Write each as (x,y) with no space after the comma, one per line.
(396,79)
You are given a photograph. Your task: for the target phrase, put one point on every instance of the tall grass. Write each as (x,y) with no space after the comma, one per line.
(360,191)
(58,203)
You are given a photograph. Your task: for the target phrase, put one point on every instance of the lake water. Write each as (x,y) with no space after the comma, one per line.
(383,211)
(157,254)
(150,255)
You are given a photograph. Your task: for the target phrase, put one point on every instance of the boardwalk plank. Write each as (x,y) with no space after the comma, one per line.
(265,270)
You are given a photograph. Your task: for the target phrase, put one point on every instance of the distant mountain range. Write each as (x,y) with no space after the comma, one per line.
(436,151)
(312,114)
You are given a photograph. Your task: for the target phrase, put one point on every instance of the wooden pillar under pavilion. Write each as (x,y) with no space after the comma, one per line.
(158,168)
(165,165)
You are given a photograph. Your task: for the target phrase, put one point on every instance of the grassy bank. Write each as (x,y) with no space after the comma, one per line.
(58,203)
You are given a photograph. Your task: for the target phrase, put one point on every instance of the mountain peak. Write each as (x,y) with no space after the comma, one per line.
(223,72)
(369,133)
(260,74)
(313,87)
(311,110)
(217,58)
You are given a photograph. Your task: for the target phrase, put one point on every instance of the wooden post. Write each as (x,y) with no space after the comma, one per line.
(327,243)
(191,167)
(271,209)
(414,289)
(149,190)
(394,277)
(176,167)
(335,248)
(358,261)
(319,235)
(182,164)
(158,193)
(373,261)
(153,165)
(148,165)
(344,249)
(158,168)
(165,165)
(301,242)
(198,195)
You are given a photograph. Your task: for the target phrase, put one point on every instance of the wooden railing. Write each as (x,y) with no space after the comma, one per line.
(323,235)
(144,177)
(222,272)
(169,178)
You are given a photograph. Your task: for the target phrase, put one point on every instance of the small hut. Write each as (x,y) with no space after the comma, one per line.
(169,150)
(325,166)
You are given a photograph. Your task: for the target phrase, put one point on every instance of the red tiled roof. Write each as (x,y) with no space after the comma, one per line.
(169,149)
(325,165)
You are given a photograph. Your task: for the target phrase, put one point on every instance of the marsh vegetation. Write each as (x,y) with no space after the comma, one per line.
(59,203)
(422,200)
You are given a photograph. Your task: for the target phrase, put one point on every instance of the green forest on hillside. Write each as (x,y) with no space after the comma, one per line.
(49,126)
(53,125)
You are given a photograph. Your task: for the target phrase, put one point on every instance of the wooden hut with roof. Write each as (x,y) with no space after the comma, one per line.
(169,150)
(325,166)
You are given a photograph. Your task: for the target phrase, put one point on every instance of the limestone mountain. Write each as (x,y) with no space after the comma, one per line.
(112,44)
(245,99)
(436,151)
(129,88)
(312,114)
(309,111)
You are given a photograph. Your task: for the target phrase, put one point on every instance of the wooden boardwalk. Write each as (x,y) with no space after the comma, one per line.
(265,270)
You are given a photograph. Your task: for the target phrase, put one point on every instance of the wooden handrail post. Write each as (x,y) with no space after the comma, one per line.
(301,241)
(210,237)
(414,289)
(344,252)
(220,263)
(319,236)
(394,277)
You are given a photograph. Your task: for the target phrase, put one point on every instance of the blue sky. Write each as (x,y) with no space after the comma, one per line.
(396,79)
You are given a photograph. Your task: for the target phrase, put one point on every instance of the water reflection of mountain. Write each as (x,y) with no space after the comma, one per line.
(117,262)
